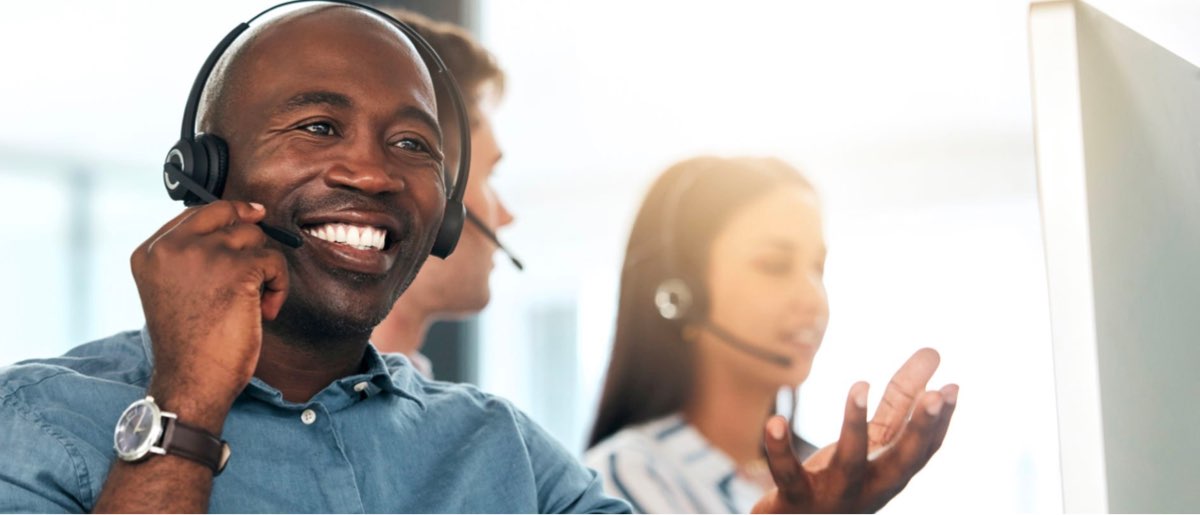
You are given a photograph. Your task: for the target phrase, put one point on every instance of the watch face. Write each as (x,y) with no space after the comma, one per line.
(137,430)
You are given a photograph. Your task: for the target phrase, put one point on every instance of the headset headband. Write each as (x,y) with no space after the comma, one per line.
(187,130)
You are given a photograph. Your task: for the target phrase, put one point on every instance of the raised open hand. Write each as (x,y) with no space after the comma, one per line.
(894,408)
(852,477)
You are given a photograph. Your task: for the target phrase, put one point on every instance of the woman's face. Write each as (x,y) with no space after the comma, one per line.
(765,284)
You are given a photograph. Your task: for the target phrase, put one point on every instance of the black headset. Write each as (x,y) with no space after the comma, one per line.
(676,296)
(196,167)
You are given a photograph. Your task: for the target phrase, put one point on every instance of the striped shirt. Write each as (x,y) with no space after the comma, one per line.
(666,466)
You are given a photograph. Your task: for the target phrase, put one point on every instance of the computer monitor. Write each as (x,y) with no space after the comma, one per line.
(1118,156)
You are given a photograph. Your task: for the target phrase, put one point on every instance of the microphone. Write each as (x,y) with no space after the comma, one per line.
(752,350)
(290,239)
(487,233)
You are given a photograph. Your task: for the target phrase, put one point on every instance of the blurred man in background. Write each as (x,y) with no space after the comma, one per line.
(458,286)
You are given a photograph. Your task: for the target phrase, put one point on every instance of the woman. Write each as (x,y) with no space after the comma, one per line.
(722,304)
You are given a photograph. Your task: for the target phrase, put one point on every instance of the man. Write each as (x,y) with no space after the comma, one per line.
(329,117)
(458,286)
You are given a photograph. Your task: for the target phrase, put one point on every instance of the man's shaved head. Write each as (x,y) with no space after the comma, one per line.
(229,77)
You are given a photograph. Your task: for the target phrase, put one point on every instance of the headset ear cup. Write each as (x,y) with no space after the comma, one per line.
(180,155)
(218,162)
(192,160)
(450,230)
(198,171)
(673,298)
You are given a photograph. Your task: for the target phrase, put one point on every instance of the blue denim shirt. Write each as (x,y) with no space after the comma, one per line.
(405,444)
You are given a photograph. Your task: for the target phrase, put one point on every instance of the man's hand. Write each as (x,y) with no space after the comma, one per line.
(870,463)
(894,408)
(207,280)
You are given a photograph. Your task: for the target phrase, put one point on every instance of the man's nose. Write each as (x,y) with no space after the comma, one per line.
(808,295)
(505,217)
(365,167)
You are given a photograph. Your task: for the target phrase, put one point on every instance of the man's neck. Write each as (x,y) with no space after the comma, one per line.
(300,371)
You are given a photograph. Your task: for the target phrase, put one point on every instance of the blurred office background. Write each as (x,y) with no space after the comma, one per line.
(912,118)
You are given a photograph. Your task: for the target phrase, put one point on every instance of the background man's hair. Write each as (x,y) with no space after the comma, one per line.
(473,66)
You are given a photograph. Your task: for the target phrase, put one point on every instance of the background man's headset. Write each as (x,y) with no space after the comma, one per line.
(676,297)
(196,167)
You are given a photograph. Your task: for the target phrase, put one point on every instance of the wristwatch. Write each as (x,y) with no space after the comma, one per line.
(145,430)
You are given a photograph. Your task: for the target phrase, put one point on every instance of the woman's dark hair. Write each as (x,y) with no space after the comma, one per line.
(651,370)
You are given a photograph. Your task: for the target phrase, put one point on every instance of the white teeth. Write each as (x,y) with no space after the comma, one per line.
(357,236)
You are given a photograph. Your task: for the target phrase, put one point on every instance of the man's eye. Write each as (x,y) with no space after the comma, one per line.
(774,268)
(319,129)
(414,145)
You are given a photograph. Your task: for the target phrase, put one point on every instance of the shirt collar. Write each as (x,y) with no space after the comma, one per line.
(690,449)
(393,374)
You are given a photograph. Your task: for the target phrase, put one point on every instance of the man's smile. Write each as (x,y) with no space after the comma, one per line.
(361,241)
(359,237)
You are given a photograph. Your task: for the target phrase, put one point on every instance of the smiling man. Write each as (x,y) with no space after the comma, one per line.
(331,123)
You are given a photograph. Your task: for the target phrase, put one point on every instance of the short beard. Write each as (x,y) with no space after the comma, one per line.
(315,326)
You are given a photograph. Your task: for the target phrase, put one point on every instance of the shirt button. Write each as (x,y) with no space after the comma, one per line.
(360,387)
(308,417)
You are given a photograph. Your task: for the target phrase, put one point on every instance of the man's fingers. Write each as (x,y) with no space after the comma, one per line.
(274,268)
(905,386)
(222,213)
(789,474)
(950,396)
(244,236)
(202,220)
(145,247)
(852,444)
(911,450)
(850,458)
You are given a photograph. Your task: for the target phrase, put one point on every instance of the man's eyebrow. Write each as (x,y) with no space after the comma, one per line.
(788,245)
(424,118)
(778,243)
(338,100)
(310,98)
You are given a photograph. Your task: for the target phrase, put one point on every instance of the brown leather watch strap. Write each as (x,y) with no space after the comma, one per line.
(195,444)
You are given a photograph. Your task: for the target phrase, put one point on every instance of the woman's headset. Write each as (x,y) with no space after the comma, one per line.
(196,167)
(676,298)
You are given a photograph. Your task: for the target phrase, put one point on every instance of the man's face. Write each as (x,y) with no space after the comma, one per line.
(459,285)
(333,129)
(466,274)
